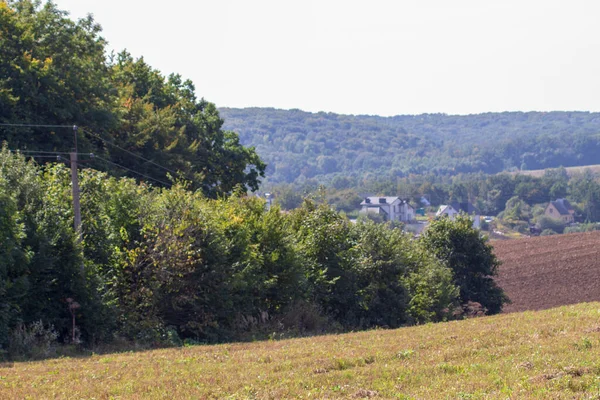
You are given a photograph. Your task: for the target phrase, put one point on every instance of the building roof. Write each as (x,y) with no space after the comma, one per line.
(563,206)
(467,208)
(377,200)
(443,208)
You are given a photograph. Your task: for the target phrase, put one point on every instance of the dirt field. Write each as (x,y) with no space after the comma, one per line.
(550,271)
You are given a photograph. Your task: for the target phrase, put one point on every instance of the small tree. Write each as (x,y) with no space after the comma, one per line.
(470,257)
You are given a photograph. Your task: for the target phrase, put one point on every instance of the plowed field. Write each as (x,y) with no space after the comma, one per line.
(543,272)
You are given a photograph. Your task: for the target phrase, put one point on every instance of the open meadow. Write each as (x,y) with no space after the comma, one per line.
(538,173)
(544,354)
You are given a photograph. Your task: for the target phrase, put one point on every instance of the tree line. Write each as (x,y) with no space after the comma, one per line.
(300,146)
(517,196)
(158,266)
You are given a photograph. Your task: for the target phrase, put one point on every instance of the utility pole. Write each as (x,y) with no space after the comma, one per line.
(75,186)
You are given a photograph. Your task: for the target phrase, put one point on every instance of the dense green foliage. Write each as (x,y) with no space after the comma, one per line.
(55,71)
(472,261)
(299,145)
(160,265)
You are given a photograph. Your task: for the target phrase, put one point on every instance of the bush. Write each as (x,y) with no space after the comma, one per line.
(33,341)
(589,227)
(470,257)
(544,222)
(548,232)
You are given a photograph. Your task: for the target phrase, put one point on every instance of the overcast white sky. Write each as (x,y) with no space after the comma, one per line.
(368,57)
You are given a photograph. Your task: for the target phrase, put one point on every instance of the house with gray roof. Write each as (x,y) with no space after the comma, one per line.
(453,209)
(561,209)
(390,208)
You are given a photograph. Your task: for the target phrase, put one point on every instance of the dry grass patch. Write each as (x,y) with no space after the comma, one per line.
(538,173)
(544,354)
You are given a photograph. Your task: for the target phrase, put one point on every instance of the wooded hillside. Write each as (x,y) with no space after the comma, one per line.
(298,145)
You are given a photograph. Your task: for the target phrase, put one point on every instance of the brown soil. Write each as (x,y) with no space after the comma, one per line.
(544,272)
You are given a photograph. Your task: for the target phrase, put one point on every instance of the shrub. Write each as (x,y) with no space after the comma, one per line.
(545,223)
(35,340)
(470,257)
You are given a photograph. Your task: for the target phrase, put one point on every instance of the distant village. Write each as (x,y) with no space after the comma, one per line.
(414,218)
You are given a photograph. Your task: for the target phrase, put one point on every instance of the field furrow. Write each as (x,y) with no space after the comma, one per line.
(544,272)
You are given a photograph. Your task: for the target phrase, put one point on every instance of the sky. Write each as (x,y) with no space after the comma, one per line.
(367,57)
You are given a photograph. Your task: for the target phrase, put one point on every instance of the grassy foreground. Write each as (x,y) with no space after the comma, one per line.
(547,354)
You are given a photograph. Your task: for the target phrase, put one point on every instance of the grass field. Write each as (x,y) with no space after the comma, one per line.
(544,354)
(570,170)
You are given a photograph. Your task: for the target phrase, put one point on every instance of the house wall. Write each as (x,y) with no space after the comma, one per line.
(552,212)
(392,211)
(452,213)
(410,213)
(396,211)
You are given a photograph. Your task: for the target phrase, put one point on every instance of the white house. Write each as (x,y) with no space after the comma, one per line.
(391,208)
(447,210)
(452,210)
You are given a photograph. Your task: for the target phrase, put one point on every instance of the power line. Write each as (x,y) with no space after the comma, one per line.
(37,126)
(90,154)
(56,157)
(130,170)
(128,152)
(43,152)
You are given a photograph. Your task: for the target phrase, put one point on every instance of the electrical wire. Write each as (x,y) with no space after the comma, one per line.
(56,157)
(38,126)
(127,151)
(43,152)
(95,156)
(130,170)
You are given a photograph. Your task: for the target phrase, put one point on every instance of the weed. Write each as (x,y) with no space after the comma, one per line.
(584,344)
(369,359)
(451,369)
(342,364)
(405,354)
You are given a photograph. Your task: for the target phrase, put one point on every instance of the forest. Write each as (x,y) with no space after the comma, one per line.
(300,145)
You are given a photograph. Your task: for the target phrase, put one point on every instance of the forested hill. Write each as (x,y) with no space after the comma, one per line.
(298,145)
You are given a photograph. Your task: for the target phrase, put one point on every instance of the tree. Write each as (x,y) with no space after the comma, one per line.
(470,257)
(585,190)
(54,71)
(163,120)
(40,263)
(13,264)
